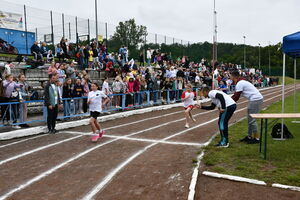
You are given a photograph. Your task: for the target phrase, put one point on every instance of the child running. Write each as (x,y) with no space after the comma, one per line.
(226,106)
(95,104)
(188,103)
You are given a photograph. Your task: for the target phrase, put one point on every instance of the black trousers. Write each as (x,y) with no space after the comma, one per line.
(51,118)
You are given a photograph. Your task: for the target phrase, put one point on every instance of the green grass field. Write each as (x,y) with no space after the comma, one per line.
(240,159)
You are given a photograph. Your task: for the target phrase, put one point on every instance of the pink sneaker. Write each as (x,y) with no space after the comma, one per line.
(101,133)
(94,137)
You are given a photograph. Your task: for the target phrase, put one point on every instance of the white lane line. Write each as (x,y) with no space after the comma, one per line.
(195,177)
(37,149)
(234,178)
(289,187)
(196,169)
(140,139)
(165,115)
(52,170)
(24,140)
(111,175)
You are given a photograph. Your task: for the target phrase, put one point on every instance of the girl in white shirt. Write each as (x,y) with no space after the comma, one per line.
(95,104)
(188,103)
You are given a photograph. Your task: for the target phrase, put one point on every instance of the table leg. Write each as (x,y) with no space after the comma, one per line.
(266,132)
(261,133)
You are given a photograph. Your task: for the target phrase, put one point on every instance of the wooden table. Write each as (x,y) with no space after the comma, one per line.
(266,116)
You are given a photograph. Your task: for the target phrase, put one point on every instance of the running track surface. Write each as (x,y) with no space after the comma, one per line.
(141,157)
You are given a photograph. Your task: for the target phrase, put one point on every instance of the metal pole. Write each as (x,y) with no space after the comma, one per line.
(165,39)
(76,29)
(106,35)
(26,35)
(96,19)
(155,38)
(259,55)
(214,57)
(145,41)
(89,32)
(69,31)
(283,88)
(36,34)
(295,77)
(52,34)
(269,60)
(244,51)
(63,24)
(173,40)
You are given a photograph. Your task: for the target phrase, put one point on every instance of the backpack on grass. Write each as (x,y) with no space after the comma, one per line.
(276,131)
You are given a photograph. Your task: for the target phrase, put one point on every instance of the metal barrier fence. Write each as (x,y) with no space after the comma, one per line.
(49,26)
(15,113)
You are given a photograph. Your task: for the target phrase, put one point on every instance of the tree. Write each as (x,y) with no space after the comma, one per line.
(130,34)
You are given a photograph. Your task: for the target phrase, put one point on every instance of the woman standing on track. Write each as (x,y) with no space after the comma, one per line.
(188,103)
(95,104)
(226,107)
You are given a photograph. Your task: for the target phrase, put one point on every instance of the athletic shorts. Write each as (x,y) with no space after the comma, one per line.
(95,114)
(190,106)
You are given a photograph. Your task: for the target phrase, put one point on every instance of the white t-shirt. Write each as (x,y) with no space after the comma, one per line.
(105,87)
(228,100)
(190,100)
(95,99)
(248,90)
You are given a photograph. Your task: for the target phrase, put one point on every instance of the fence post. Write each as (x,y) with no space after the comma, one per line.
(123,101)
(148,97)
(69,31)
(63,24)
(52,34)
(89,32)
(76,28)
(26,37)
(106,35)
(45,114)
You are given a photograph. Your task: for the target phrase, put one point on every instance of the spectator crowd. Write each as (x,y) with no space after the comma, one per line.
(155,78)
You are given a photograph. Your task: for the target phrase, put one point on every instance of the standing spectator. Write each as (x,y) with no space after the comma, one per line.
(86,55)
(148,56)
(59,52)
(24,96)
(136,89)
(130,91)
(78,92)
(61,73)
(91,58)
(11,94)
(63,45)
(52,102)
(106,90)
(86,88)
(70,71)
(7,68)
(117,88)
(82,57)
(67,95)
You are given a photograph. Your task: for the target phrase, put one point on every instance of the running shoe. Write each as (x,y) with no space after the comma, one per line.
(94,137)
(245,139)
(101,133)
(187,126)
(223,144)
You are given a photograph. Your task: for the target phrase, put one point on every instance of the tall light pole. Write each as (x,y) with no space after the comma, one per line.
(215,52)
(259,55)
(269,58)
(96,19)
(244,51)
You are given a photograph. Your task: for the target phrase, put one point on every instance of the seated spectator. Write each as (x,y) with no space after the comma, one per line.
(50,56)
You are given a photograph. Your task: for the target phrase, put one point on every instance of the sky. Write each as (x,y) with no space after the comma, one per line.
(261,21)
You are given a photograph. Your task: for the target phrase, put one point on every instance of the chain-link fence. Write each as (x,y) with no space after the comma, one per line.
(29,24)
